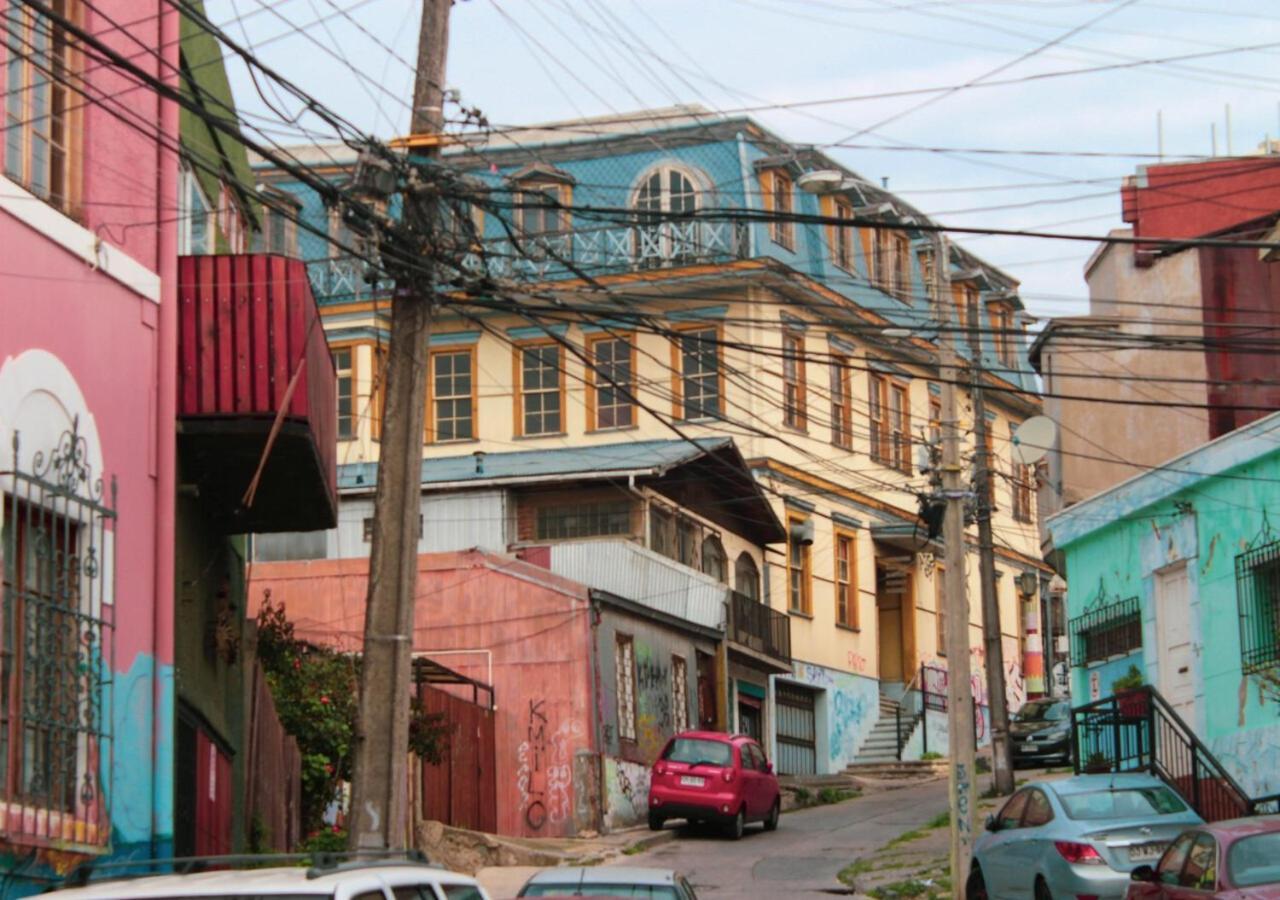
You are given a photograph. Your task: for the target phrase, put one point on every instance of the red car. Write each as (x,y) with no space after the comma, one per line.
(1235,859)
(706,776)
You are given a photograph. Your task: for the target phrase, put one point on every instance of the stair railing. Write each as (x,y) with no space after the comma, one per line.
(1138,730)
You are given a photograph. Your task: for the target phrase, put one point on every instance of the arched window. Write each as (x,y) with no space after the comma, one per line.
(714,562)
(746,577)
(665,193)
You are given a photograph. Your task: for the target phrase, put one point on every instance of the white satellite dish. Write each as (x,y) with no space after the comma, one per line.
(1033,439)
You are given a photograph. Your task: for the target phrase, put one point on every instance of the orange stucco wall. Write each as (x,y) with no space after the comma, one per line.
(501,621)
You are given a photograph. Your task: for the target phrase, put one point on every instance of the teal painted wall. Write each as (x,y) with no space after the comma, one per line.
(1205,524)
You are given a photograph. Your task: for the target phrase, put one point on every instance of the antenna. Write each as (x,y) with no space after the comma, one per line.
(1033,439)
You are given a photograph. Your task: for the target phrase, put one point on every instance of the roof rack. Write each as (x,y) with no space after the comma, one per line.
(321,863)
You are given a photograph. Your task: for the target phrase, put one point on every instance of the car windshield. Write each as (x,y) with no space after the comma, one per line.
(651,891)
(1123,803)
(699,750)
(1042,711)
(1255,860)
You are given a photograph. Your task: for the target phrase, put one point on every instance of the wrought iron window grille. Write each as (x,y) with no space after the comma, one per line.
(1258,599)
(1109,626)
(57,648)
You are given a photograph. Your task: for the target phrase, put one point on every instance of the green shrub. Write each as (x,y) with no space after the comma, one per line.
(931,755)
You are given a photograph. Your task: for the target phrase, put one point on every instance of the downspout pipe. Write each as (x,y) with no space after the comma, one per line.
(162,712)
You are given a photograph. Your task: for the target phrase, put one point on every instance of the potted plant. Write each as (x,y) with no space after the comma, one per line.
(1097,763)
(1132,701)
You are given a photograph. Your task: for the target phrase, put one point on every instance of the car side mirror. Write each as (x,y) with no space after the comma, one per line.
(1143,873)
(993,824)
(768,768)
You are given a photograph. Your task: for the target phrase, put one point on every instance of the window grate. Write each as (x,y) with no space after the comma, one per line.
(1258,596)
(56,648)
(1106,630)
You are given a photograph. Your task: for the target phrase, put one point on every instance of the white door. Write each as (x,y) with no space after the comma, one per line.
(1173,630)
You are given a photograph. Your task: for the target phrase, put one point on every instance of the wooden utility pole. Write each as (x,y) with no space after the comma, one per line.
(378,817)
(998,701)
(960,734)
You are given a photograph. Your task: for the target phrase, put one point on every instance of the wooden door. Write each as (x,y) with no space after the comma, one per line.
(1175,653)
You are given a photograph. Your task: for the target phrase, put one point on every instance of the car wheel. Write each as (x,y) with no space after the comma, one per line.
(655,822)
(976,887)
(771,821)
(738,825)
(1042,889)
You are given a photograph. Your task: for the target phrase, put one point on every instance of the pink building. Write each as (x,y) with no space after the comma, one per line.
(87,377)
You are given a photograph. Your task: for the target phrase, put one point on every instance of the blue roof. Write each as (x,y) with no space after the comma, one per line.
(626,457)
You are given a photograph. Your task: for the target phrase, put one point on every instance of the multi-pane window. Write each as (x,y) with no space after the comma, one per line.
(883,255)
(1024,479)
(1107,630)
(988,443)
(195,215)
(662,531)
(746,576)
(925,260)
(1001,334)
(699,373)
(38,131)
(596,519)
(714,562)
(842,236)
(230,219)
(540,210)
(679,694)
(799,571)
(900,426)
(901,287)
(841,403)
(624,662)
(613,378)
(878,413)
(794,414)
(663,235)
(345,371)
(541,399)
(935,421)
(846,590)
(1258,598)
(781,228)
(453,395)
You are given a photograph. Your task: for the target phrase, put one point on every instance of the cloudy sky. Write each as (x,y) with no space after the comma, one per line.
(1060,96)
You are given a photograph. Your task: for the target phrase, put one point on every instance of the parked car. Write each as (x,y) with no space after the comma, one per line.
(1078,837)
(609,881)
(390,879)
(1041,734)
(1238,858)
(706,776)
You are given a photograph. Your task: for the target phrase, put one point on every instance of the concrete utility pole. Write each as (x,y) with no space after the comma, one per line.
(379,782)
(1001,750)
(959,692)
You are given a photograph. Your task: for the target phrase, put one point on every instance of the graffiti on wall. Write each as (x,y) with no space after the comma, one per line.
(544,773)
(653,701)
(627,792)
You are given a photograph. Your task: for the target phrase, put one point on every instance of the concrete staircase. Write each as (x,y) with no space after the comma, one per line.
(881,746)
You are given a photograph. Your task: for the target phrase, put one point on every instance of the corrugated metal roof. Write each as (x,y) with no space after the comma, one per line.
(638,457)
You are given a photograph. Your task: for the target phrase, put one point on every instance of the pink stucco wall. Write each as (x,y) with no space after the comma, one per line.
(498,620)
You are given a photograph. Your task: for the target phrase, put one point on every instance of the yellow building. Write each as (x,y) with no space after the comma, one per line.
(814,346)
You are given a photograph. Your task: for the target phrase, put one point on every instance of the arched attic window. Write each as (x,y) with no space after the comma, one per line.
(664,194)
(746,577)
(714,561)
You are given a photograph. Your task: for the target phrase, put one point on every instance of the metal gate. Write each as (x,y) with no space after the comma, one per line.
(460,789)
(797,731)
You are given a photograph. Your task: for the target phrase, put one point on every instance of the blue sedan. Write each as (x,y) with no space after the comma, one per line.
(1079,838)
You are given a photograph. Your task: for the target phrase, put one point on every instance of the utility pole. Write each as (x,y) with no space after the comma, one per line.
(960,735)
(378,818)
(1001,751)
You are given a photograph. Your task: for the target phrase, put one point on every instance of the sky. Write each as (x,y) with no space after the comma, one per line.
(1055,147)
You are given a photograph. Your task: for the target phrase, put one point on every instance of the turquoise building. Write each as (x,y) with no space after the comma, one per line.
(1177,572)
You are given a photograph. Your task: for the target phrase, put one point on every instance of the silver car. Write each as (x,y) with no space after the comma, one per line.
(609,881)
(1079,837)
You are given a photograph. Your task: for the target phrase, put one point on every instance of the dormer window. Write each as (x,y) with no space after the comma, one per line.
(662,235)
(779,191)
(543,195)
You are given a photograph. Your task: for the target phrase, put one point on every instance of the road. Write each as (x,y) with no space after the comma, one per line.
(806,852)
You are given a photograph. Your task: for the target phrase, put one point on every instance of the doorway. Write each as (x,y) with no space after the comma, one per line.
(895,611)
(1175,656)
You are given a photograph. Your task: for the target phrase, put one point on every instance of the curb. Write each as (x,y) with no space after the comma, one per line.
(648,842)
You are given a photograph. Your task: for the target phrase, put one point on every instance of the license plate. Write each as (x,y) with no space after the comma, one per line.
(1146,851)
(1029,745)
(692,781)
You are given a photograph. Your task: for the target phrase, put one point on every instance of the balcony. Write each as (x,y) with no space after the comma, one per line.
(627,570)
(763,632)
(255,383)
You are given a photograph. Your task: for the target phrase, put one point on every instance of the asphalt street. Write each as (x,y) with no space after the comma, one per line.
(806,852)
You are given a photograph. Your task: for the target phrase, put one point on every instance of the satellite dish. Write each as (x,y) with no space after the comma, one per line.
(1033,439)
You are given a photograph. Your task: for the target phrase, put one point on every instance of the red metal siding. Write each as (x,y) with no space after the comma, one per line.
(213,798)
(1241,299)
